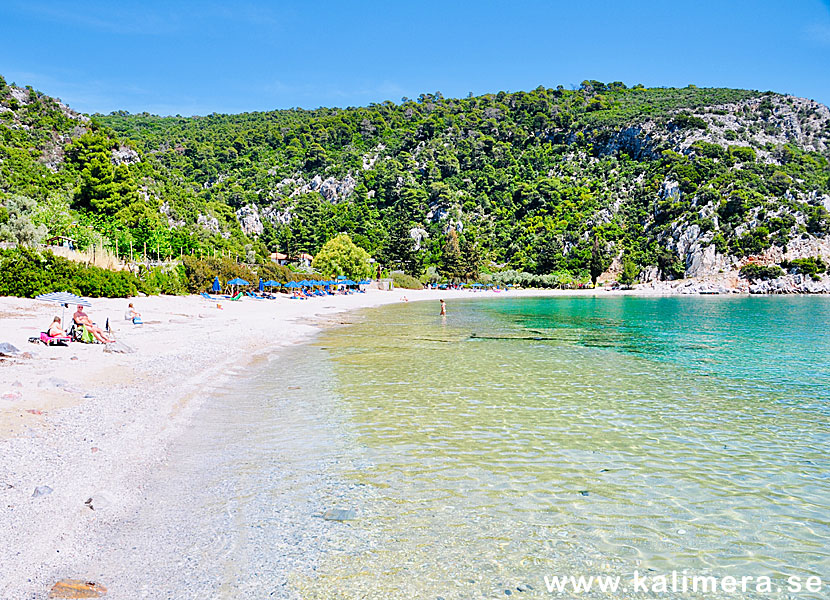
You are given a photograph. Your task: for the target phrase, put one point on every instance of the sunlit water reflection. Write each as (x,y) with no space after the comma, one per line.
(521,438)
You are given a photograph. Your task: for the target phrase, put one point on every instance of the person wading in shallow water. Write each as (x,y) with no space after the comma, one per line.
(443,308)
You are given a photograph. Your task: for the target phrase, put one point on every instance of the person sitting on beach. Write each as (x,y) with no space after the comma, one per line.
(82,319)
(55,329)
(132,314)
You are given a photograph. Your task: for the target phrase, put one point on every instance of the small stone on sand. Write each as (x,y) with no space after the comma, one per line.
(42,490)
(339,514)
(75,588)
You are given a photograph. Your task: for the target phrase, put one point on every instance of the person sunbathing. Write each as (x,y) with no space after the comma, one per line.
(55,329)
(82,319)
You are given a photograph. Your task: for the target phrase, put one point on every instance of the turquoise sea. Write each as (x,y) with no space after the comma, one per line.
(518,439)
(523,437)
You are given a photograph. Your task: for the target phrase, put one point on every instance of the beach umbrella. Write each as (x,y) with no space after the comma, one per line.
(238,281)
(292,285)
(341,277)
(261,285)
(63,298)
(217,287)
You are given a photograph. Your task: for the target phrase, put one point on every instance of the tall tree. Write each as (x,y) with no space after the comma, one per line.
(598,262)
(452,263)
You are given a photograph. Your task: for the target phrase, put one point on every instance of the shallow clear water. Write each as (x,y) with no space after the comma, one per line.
(513,440)
(522,438)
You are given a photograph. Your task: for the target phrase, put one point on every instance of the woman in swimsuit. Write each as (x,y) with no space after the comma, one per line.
(55,329)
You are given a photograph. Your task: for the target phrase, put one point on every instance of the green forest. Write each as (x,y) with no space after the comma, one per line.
(550,182)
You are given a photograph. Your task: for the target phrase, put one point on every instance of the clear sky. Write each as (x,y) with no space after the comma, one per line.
(186,57)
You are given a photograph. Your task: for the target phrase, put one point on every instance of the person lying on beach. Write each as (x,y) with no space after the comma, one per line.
(82,319)
(55,329)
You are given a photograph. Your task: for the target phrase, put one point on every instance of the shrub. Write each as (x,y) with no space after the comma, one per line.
(752,242)
(742,153)
(806,266)
(25,272)
(756,271)
(687,121)
(630,272)
(200,272)
(170,281)
(402,280)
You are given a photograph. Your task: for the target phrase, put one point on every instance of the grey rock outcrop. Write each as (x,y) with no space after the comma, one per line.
(418,235)
(332,189)
(208,223)
(791,284)
(124,155)
(249,219)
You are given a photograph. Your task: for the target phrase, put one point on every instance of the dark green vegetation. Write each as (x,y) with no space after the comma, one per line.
(755,271)
(27,272)
(407,282)
(549,182)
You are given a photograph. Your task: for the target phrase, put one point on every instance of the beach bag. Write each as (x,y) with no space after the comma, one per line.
(86,336)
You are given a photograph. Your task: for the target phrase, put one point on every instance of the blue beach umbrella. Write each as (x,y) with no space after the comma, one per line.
(339,277)
(238,281)
(292,285)
(216,287)
(261,285)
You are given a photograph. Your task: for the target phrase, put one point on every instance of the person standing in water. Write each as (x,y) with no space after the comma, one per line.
(443,308)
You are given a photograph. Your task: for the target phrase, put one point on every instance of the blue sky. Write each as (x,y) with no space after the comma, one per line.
(200,57)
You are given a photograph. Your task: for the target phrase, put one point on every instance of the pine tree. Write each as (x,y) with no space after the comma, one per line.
(452,263)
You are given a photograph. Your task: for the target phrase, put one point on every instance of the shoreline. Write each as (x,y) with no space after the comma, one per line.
(90,424)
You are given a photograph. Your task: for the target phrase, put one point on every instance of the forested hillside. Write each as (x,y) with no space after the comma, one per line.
(669,182)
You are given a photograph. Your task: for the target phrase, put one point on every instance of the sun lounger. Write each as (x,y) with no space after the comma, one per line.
(208,297)
(57,340)
(237,297)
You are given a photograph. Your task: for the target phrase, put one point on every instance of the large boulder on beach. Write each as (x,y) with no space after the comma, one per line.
(7,349)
